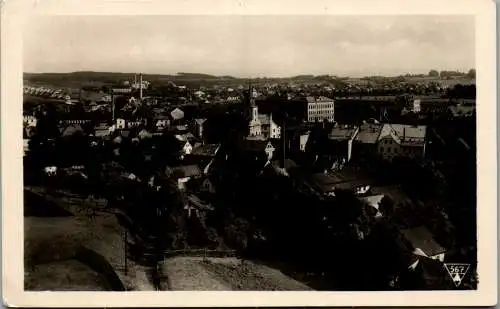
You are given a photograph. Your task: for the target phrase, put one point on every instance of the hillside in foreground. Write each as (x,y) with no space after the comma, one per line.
(225,274)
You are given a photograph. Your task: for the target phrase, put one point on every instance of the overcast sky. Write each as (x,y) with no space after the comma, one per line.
(250,45)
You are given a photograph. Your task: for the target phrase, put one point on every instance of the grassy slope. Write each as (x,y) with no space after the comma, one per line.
(55,239)
(67,275)
(221,274)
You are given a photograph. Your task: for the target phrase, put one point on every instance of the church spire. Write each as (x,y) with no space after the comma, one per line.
(251,99)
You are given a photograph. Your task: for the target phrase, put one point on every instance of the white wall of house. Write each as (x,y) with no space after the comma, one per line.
(388,148)
(25,146)
(303,141)
(132,124)
(275,130)
(187,148)
(181,182)
(30,121)
(349,144)
(438,257)
(162,123)
(120,123)
(416,106)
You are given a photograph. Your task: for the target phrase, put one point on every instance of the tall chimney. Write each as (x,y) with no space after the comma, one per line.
(113,107)
(140,87)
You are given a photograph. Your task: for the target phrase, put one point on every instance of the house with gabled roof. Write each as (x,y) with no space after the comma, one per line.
(373,201)
(183,174)
(365,142)
(29,121)
(177,114)
(423,243)
(341,140)
(402,140)
(206,150)
(161,122)
(202,155)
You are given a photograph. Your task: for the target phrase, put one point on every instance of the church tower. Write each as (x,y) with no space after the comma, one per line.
(254,126)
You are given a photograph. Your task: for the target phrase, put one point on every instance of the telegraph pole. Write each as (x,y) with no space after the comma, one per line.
(125,251)
(112,106)
(283,139)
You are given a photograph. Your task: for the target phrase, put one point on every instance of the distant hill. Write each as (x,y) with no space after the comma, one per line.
(101,76)
(84,78)
(99,79)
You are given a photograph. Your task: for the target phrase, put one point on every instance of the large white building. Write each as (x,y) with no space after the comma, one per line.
(320,109)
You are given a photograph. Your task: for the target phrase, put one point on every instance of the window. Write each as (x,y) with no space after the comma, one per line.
(389,149)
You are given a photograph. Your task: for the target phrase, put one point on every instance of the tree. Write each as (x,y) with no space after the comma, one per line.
(433,73)
(386,206)
(47,124)
(238,236)
(471,73)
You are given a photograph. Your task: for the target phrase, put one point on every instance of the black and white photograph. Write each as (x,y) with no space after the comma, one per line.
(166,153)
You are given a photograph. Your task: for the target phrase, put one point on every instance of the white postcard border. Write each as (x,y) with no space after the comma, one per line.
(15,11)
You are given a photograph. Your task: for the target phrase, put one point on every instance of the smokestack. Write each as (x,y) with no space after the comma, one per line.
(140,87)
(113,107)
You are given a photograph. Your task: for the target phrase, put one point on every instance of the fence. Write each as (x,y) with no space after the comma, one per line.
(93,203)
(201,253)
(205,253)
